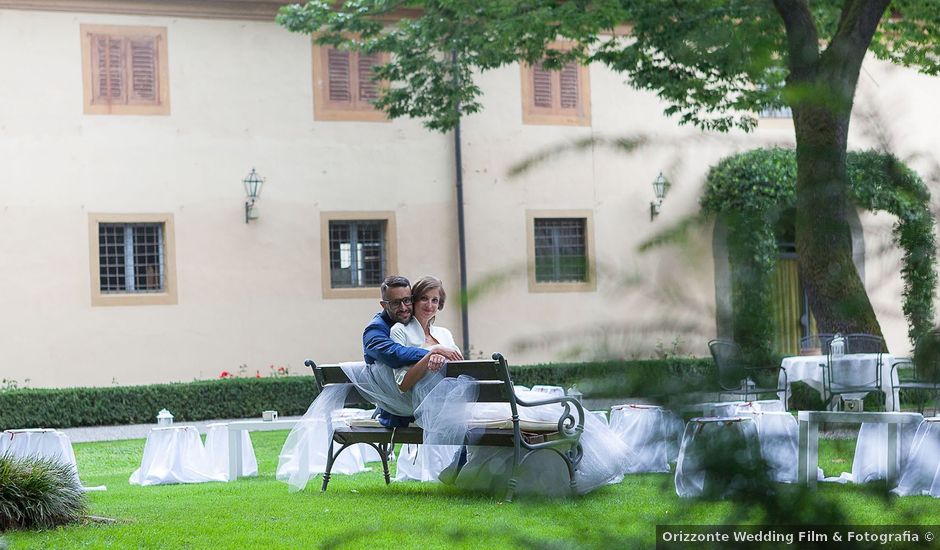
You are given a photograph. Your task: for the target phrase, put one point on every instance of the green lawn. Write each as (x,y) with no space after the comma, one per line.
(360,512)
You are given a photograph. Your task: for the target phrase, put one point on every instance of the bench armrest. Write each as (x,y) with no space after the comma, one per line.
(566,423)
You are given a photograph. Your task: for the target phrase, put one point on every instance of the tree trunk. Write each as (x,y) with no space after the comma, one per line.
(837,296)
(821,89)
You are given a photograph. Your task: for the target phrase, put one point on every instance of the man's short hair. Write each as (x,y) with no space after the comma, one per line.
(394,281)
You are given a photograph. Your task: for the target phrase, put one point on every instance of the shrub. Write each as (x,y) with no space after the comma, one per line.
(202,400)
(38,493)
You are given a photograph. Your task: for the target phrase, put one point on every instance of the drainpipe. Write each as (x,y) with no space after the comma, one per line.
(461,235)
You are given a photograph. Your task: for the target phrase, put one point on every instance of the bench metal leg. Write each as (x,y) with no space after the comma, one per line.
(330,457)
(383,450)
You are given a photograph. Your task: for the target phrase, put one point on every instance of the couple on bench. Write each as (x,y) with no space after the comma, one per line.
(404,355)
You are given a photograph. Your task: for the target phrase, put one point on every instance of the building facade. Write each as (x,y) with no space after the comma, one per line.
(128,127)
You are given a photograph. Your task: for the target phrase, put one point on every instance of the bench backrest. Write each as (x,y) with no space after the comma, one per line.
(495,385)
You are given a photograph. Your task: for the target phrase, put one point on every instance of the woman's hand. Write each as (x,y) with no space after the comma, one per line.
(436,361)
(450,354)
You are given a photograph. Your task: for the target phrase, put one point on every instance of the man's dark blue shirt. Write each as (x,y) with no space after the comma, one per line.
(378,346)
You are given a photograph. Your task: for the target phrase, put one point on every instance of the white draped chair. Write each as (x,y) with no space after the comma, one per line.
(39,443)
(717,456)
(175,454)
(651,432)
(870,462)
(778,432)
(920,474)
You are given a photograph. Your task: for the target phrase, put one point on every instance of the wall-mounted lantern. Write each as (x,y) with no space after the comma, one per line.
(660,186)
(253,183)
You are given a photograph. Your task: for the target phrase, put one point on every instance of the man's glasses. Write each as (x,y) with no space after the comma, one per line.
(395,304)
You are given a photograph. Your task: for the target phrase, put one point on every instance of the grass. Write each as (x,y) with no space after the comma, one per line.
(360,512)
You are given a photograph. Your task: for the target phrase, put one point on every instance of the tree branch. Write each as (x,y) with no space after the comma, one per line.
(802,36)
(852,38)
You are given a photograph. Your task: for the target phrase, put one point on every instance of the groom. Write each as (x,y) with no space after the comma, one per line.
(379,348)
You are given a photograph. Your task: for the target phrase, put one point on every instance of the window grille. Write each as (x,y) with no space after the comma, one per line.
(131,258)
(357,253)
(560,250)
(776,112)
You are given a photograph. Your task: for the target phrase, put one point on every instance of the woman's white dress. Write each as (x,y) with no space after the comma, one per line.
(421,462)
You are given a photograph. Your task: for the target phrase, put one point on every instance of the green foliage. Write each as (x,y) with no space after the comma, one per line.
(636,378)
(716,63)
(749,190)
(202,400)
(38,494)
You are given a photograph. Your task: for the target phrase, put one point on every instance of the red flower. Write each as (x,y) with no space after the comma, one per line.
(257,374)
(225,374)
(281,370)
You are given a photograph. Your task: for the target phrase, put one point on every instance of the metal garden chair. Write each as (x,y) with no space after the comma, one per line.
(864,377)
(738,376)
(921,373)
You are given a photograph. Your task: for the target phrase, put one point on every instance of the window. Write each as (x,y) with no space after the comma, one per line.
(776,112)
(124,70)
(132,259)
(556,97)
(560,251)
(359,253)
(343,88)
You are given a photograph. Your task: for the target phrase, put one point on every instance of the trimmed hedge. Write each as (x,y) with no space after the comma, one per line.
(663,379)
(201,400)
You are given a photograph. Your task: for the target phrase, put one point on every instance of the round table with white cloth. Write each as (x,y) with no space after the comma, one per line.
(854,368)
(175,454)
(920,474)
(717,457)
(39,443)
(652,432)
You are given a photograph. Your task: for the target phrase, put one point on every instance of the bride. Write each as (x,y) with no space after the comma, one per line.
(423,462)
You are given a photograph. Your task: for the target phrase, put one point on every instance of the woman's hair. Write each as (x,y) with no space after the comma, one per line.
(426,284)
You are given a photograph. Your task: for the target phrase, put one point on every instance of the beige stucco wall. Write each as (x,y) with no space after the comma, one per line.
(241,97)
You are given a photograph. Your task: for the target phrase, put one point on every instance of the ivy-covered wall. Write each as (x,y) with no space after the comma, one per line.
(750,190)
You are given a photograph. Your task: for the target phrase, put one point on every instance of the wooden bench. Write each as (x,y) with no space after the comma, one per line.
(495,386)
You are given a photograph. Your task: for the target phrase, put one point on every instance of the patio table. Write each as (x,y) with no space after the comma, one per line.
(851,368)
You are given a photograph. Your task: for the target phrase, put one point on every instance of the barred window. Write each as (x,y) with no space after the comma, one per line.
(357,253)
(560,250)
(131,258)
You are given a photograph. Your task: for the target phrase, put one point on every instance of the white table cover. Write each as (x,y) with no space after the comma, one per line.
(871,446)
(652,432)
(552,391)
(854,368)
(707,435)
(921,473)
(217,449)
(39,443)
(779,435)
(175,454)
(731,408)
